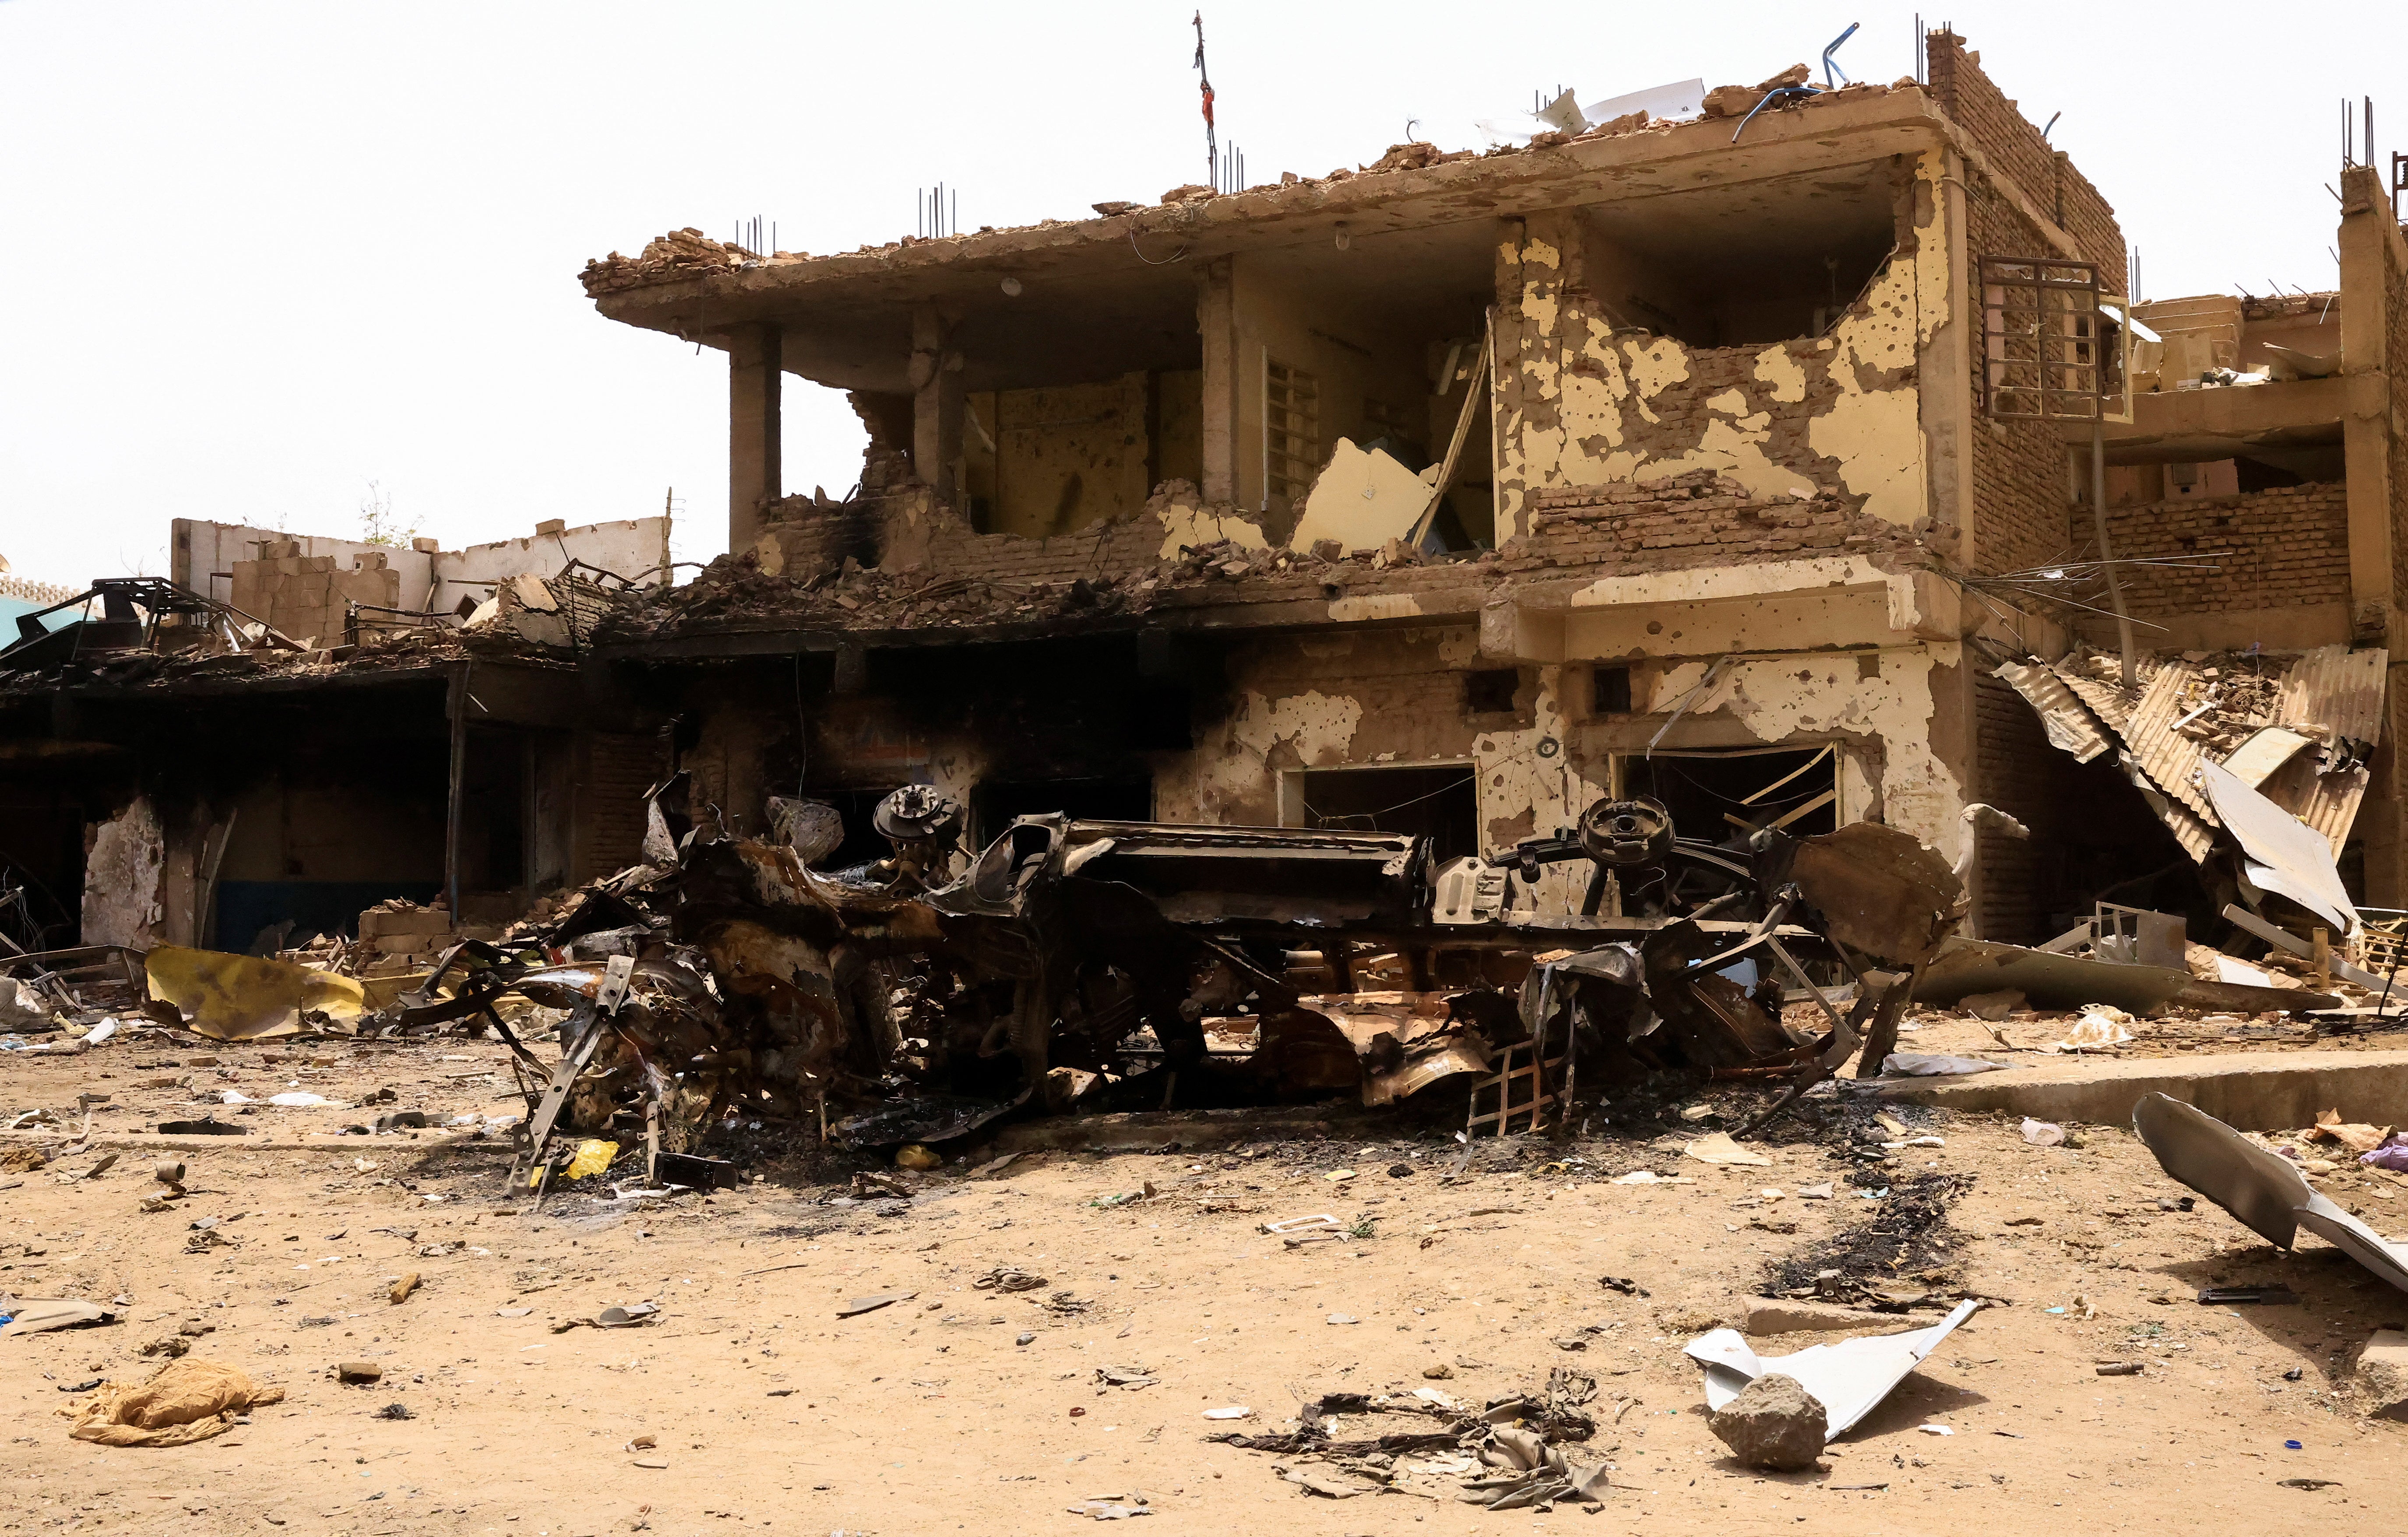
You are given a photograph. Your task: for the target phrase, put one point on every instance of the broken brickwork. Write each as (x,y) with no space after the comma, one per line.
(2020,151)
(1638,526)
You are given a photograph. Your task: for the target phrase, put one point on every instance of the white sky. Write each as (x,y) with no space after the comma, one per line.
(257,256)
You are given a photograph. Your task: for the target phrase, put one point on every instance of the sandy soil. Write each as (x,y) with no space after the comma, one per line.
(928,1415)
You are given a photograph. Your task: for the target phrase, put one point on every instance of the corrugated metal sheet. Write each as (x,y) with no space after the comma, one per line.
(2197,837)
(2107,700)
(2337,687)
(2341,689)
(2170,758)
(2332,687)
(2071,726)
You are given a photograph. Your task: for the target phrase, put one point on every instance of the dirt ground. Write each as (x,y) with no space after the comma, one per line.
(931,1415)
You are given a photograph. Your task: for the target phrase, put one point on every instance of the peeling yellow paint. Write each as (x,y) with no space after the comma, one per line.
(1183,525)
(1317,727)
(1781,699)
(1655,368)
(1777,367)
(1879,443)
(1528,772)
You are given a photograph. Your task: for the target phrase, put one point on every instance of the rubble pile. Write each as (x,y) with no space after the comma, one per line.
(679,254)
(740,587)
(688,254)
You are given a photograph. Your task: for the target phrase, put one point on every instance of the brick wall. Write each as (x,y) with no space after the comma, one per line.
(2018,469)
(2018,772)
(2287,546)
(1997,127)
(1693,519)
(613,771)
(305,597)
(2017,149)
(911,527)
(2084,214)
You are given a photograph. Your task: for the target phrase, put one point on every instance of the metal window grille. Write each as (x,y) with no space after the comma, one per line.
(2052,349)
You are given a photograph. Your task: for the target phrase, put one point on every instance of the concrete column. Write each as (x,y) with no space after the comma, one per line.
(1943,374)
(754,473)
(1216,320)
(935,405)
(1509,470)
(2370,249)
(2370,244)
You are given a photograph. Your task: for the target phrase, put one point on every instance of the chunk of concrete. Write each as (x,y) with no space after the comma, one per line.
(1765,1317)
(1992,1006)
(1772,1423)
(2383,1373)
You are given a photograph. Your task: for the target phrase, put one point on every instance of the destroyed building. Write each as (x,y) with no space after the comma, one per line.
(1448,495)
(1726,471)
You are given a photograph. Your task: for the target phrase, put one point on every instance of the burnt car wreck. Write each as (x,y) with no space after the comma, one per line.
(1076,966)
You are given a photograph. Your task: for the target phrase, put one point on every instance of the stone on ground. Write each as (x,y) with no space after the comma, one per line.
(1774,1423)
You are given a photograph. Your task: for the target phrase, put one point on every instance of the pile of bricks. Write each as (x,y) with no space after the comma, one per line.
(397,937)
(305,596)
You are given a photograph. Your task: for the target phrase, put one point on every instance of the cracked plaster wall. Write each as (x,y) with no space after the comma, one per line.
(1581,405)
(1882,704)
(1380,698)
(123,863)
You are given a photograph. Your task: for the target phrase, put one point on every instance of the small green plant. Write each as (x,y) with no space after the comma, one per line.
(1362,1227)
(378,524)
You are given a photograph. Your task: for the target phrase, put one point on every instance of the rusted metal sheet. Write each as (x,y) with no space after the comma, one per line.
(2069,724)
(1881,891)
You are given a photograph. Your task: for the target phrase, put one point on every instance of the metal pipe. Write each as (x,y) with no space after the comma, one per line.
(458,784)
(2106,556)
(1828,66)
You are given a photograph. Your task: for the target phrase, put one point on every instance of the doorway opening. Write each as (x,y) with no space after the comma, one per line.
(1724,795)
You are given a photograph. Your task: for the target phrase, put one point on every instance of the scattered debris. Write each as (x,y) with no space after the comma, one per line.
(187,1401)
(2264,1191)
(1849,1379)
(858,1305)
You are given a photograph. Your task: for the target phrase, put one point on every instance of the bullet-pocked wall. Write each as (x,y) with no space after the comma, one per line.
(1715,401)
(1768,333)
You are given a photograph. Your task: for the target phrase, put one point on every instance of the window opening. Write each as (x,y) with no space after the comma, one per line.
(1436,801)
(1610,691)
(2051,344)
(1291,431)
(1490,691)
(1725,796)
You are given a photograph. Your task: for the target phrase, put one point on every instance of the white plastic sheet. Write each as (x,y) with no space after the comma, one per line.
(1849,1378)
